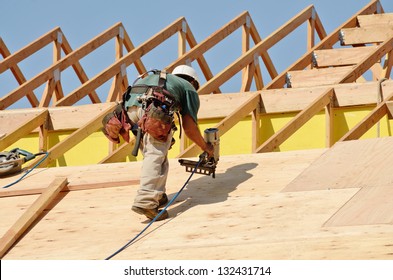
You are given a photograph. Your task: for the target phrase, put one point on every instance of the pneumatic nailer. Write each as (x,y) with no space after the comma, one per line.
(208,164)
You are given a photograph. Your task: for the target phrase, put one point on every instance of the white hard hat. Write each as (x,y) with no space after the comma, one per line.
(186,71)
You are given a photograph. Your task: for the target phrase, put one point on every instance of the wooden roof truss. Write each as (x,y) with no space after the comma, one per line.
(363,47)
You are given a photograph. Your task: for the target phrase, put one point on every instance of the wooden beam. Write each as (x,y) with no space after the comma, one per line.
(60,148)
(381,20)
(259,48)
(354,36)
(329,119)
(342,56)
(368,61)
(326,43)
(72,187)
(290,128)
(19,132)
(318,77)
(227,123)
(31,215)
(115,68)
(197,50)
(79,70)
(129,47)
(64,63)
(30,49)
(369,121)
(20,78)
(120,153)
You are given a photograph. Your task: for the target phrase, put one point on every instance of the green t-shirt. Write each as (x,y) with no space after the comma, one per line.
(182,90)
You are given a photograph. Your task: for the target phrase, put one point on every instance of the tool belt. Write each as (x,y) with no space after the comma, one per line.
(158,104)
(158,119)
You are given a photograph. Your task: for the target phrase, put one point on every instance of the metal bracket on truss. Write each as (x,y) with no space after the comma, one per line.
(314,59)
(341,37)
(288,80)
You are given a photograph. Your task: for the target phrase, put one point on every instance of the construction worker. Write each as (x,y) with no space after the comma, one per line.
(183,84)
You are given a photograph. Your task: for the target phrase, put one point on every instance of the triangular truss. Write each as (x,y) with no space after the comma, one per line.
(359,51)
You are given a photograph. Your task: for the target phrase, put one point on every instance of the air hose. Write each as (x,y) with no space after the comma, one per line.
(129,243)
(29,157)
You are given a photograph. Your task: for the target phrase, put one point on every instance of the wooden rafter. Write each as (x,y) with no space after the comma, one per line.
(227,123)
(24,129)
(83,132)
(198,50)
(326,43)
(298,121)
(4,51)
(259,48)
(369,121)
(368,61)
(120,153)
(115,68)
(65,62)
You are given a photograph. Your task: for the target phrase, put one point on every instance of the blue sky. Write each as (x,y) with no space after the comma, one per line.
(23,21)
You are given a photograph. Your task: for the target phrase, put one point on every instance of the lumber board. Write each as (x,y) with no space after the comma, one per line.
(381,20)
(370,206)
(213,106)
(120,153)
(17,132)
(69,187)
(60,148)
(31,214)
(10,119)
(39,43)
(115,68)
(389,105)
(79,177)
(60,65)
(79,70)
(290,128)
(367,35)
(18,74)
(198,50)
(315,77)
(70,118)
(369,61)
(223,126)
(259,48)
(342,56)
(372,118)
(327,43)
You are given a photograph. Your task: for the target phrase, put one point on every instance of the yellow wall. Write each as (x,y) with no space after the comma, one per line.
(236,141)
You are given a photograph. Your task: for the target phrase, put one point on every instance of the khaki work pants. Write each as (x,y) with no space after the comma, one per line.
(155,166)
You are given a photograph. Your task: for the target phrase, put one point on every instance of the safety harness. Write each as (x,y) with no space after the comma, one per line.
(159,107)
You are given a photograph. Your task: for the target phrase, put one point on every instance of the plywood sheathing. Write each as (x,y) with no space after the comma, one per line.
(241,214)
(364,166)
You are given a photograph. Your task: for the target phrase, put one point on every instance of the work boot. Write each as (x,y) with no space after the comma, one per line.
(163,201)
(150,213)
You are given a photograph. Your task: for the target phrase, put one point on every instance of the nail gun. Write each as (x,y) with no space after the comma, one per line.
(207,165)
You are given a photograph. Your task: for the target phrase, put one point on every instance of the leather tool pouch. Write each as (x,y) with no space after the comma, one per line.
(116,123)
(156,121)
